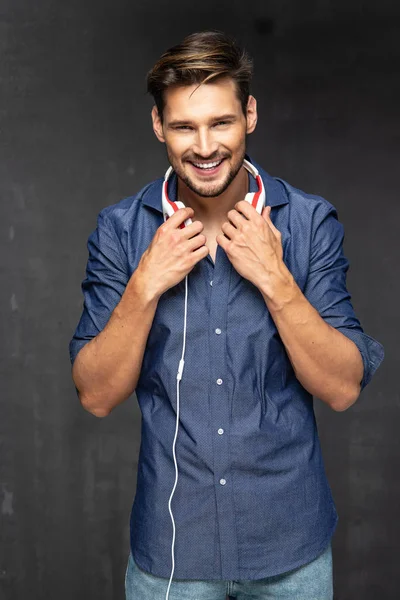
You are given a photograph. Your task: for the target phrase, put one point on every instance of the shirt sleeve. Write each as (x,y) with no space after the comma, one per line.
(326,289)
(105,282)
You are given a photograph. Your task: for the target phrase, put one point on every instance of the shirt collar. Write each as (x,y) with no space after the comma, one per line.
(274,192)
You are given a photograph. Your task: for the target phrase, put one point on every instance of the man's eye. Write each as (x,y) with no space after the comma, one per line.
(180,127)
(222,123)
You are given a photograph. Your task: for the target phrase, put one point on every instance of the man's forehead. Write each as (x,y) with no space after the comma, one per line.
(202,100)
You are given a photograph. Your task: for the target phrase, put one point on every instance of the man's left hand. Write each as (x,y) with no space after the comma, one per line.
(254,247)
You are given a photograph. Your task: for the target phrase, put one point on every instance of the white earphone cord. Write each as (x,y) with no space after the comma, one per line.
(178,379)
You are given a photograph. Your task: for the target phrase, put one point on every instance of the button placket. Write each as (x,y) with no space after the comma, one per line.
(220,411)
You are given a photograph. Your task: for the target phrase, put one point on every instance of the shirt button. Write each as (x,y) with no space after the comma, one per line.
(218,331)
(211,282)
(219,381)
(220,431)
(222,481)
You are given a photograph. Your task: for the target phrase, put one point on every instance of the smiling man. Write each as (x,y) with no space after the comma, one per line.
(218,294)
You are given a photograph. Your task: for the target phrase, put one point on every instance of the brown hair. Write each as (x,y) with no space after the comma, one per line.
(201,57)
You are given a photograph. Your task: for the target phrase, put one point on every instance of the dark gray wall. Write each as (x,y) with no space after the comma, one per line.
(75,136)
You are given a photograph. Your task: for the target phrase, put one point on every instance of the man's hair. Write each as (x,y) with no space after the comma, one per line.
(200,58)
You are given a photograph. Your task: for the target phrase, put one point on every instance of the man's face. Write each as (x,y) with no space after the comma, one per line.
(205,134)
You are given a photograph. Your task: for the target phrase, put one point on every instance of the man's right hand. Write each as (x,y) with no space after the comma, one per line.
(172,253)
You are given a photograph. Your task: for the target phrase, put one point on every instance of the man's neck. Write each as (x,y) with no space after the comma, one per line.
(212,211)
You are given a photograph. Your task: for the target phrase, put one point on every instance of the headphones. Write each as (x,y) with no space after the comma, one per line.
(256,199)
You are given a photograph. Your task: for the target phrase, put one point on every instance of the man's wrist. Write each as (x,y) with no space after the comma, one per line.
(143,288)
(280,290)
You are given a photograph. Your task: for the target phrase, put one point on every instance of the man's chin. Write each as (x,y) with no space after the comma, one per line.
(205,191)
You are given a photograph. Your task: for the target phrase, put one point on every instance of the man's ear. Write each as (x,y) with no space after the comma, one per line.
(251,116)
(157,125)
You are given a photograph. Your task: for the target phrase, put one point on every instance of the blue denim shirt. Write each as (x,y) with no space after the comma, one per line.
(252,498)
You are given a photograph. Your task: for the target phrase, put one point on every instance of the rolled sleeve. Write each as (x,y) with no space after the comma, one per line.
(105,282)
(326,289)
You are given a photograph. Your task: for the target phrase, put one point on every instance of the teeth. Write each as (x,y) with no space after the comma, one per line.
(207,165)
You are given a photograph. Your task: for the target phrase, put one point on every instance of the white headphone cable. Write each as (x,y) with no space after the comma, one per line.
(178,379)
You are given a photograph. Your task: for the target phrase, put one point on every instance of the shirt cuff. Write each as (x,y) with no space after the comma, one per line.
(371,351)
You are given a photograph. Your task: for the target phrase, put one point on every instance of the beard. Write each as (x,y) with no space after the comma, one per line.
(208,189)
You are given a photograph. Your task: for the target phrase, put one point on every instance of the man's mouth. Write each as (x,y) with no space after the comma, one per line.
(207,167)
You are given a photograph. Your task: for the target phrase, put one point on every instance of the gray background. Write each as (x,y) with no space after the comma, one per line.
(75,136)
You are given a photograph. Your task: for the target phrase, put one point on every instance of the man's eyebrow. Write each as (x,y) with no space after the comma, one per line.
(177,122)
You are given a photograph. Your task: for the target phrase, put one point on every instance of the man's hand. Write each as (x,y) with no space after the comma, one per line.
(253,245)
(172,253)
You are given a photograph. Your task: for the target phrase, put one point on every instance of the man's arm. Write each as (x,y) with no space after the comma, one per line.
(108,347)
(332,365)
(106,370)
(326,362)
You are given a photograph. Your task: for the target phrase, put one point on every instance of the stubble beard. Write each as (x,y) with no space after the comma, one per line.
(207,190)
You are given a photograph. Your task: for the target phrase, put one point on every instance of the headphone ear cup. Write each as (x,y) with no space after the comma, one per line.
(180,204)
(168,206)
(250,198)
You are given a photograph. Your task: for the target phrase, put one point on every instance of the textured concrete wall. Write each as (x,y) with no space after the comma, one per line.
(75,136)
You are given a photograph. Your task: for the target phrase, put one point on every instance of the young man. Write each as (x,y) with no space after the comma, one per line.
(268,325)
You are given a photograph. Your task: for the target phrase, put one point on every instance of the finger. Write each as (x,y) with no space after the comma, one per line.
(196,242)
(200,253)
(222,241)
(266,212)
(236,218)
(228,229)
(193,229)
(267,217)
(179,217)
(247,210)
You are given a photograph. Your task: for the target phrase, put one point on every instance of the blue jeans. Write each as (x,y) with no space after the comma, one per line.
(312,581)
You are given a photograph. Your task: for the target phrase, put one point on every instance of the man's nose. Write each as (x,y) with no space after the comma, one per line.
(205,144)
